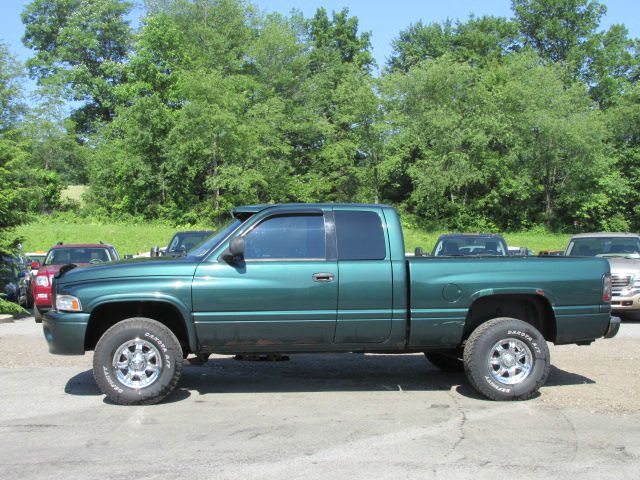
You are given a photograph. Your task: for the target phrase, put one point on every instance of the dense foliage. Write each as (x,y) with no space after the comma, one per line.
(488,123)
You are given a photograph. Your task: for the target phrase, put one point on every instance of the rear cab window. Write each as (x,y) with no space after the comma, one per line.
(360,235)
(470,245)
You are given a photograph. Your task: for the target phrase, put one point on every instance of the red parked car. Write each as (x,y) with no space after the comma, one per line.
(81,255)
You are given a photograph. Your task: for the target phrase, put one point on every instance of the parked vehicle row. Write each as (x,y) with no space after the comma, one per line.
(15,279)
(64,254)
(20,282)
(27,279)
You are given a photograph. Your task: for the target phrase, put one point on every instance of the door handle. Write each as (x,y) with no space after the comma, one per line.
(322,277)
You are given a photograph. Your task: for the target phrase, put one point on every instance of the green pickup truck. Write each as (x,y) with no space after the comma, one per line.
(302,278)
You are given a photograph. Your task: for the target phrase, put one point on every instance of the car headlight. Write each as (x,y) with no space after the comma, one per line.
(68,303)
(42,281)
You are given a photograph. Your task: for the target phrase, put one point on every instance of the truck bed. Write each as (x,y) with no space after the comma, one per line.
(442,291)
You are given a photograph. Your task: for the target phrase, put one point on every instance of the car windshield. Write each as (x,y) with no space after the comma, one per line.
(186,240)
(61,256)
(472,245)
(37,258)
(628,247)
(205,247)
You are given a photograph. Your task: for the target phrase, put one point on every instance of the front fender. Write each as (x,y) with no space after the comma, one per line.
(180,305)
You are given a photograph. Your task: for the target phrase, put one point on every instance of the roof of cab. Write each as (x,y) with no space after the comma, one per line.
(251,209)
(81,245)
(606,235)
(461,235)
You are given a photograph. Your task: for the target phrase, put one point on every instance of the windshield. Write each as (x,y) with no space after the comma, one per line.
(187,240)
(61,256)
(469,246)
(605,247)
(205,247)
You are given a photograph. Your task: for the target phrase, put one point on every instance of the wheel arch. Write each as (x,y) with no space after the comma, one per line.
(532,308)
(108,313)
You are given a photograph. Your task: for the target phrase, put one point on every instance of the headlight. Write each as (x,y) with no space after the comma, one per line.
(68,303)
(42,281)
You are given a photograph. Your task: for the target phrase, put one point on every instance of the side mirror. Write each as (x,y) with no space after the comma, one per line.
(235,251)
(236,247)
(155,251)
(35,265)
(419,252)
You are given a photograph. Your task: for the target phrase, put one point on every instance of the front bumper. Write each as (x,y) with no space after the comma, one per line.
(65,331)
(614,326)
(625,304)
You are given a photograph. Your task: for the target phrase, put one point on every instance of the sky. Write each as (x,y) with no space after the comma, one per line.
(384,19)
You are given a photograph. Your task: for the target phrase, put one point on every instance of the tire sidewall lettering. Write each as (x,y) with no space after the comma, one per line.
(495,386)
(162,346)
(526,336)
(107,376)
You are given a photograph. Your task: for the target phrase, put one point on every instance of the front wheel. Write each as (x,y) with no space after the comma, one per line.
(137,362)
(506,359)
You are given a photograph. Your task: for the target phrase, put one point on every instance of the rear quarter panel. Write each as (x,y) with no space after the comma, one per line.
(443,289)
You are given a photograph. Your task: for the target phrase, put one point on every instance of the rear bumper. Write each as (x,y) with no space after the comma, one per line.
(614,326)
(65,332)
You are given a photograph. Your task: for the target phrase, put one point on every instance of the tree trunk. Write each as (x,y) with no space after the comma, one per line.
(376,191)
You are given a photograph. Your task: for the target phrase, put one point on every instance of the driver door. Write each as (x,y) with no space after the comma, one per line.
(285,292)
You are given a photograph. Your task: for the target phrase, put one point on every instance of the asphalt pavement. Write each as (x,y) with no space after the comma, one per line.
(319,417)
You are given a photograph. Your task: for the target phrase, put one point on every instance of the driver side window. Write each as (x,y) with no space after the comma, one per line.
(287,237)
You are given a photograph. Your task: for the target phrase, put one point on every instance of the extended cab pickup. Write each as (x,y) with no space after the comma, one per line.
(326,278)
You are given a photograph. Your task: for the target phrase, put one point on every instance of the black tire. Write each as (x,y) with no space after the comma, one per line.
(446,361)
(486,378)
(29,298)
(160,343)
(37,315)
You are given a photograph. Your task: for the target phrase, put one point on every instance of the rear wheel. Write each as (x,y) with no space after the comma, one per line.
(506,359)
(137,362)
(29,300)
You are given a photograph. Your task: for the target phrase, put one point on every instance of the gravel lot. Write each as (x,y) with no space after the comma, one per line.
(332,416)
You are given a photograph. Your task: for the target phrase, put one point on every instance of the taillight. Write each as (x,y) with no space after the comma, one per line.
(606,288)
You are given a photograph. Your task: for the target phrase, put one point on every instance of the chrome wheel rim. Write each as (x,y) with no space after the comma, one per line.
(137,363)
(510,361)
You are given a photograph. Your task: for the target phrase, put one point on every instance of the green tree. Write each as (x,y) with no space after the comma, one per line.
(506,146)
(478,40)
(565,32)
(13,146)
(560,30)
(80,46)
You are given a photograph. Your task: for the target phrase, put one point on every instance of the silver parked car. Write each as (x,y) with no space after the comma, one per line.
(623,252)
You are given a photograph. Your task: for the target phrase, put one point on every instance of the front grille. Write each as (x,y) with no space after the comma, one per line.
(620,281)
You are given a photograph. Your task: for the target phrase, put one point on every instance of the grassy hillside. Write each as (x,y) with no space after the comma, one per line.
(74,192)
(135,238)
